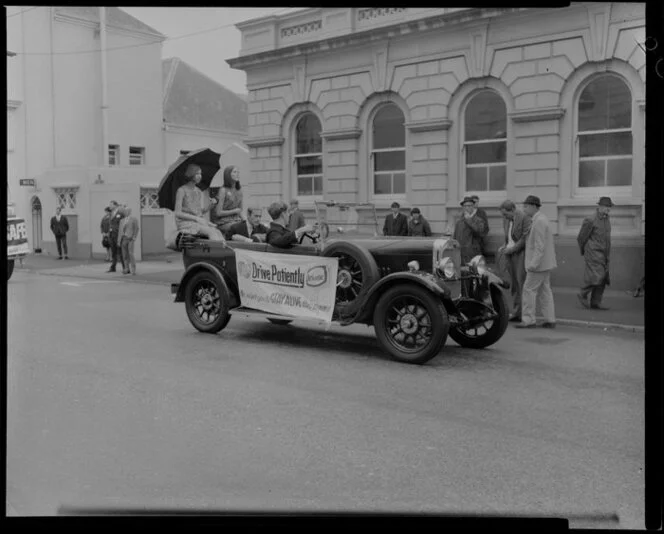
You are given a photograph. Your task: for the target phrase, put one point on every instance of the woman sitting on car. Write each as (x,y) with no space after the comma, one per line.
(189,207)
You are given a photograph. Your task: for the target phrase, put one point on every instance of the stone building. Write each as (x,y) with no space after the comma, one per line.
(427,105)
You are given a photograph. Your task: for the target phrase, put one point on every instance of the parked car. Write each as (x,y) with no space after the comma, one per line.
(412,290)
(17,239)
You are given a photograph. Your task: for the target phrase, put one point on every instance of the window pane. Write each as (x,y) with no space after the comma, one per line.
(485,153)
(591,173)
(399,183)
(485,117)
(476,178)
(382,184)
(318,185)
(388,128)
(308,135)
(611,144)
(390,161)
(497,178)
(619,172)
(605,103)
(304,186)
(311,165)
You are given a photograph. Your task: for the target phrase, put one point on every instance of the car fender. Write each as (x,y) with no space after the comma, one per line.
(426,280)
(204,266)
(494,279)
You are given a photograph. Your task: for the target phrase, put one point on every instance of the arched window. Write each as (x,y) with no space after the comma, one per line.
(485,143)
(309,156)
(388,152)
(604,134)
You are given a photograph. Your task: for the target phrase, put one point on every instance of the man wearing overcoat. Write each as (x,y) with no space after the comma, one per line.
(396,223)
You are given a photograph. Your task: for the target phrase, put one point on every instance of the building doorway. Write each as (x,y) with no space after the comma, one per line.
(36,224)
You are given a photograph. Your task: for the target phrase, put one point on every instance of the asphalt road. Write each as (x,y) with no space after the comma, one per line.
(114,400)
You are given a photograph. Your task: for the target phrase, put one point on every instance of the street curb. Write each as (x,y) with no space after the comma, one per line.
(115,279)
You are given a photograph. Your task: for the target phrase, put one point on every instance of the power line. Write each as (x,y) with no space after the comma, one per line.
(77,52)
(23,11)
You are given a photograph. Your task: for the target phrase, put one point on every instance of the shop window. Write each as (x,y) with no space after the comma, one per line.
(113,154)
(136,155)
(149,198)
(604,141)
(308,157)
(65,198)
(388,152)
(485,143)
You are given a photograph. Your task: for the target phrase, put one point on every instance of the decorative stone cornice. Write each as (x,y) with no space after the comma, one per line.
(429,125)
(255,142)
(345,133)
(537,114)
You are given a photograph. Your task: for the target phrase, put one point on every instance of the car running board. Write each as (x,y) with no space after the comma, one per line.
(250,312)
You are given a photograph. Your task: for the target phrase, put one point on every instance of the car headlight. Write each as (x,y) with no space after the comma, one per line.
(446,266)
(413,266)
(478,263)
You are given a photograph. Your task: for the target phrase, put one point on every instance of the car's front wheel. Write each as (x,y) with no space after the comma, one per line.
(10,268)
(486,333)
(206,302)
(411,323)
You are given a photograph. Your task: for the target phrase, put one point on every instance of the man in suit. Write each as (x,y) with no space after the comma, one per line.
(396,223)
(540,261)
(511,255)
(251,230)
(295,216)
(116,251)
(60,227)
(127,234)
(469,230)
(482,214)
(595,243)
(279,235)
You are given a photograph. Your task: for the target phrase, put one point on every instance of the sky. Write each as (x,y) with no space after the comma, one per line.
(208,51)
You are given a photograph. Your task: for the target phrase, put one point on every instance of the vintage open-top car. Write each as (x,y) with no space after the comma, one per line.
(414,291)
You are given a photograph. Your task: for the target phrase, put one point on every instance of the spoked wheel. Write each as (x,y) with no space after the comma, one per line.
(356,274)
(206,302)
(488,332)
(411,323)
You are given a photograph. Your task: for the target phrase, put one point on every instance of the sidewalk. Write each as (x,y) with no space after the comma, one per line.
(626,312)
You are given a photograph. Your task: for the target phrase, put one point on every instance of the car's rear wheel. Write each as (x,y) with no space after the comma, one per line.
(206,302)
(357,273)
(10,268)
(482,335)
(280,322)
(411,323)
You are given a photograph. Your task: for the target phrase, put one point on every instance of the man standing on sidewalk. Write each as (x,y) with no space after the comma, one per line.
(511,255)
(116,252)
(540,261)
(127,234)
(595,244)
(60,227)
(482,214)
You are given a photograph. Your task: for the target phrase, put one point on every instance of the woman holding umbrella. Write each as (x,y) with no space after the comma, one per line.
(189,209)
(228,211)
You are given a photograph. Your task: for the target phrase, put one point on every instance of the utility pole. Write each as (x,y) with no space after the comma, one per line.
(104,92)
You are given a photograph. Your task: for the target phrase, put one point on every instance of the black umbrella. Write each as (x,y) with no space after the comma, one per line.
(206,159)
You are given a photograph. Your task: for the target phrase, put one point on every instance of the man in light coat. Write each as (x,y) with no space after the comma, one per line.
(128,232)
(512,254)
(595,244)
(540,261)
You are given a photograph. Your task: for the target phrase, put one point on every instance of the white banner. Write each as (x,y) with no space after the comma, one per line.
(287,284)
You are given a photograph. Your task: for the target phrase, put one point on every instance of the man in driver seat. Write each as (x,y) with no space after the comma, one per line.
(279,235)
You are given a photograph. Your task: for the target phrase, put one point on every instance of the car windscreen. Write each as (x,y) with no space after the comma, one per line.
(349,219)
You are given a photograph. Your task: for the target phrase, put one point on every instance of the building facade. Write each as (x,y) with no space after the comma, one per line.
(89,127)
(425,106)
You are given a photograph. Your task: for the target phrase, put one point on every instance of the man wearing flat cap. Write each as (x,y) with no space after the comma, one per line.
(470,230)
(595,244)
(540,261)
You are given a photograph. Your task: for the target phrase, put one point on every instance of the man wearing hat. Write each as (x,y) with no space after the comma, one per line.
(595,244)
(418,226)
(469,230)
(540,261)
(396,223)
(481,213)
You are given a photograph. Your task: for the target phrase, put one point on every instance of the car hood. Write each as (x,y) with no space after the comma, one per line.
(394,245)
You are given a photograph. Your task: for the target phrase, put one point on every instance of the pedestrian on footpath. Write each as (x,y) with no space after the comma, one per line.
(105,230)
(114,230)
(127,234)
(418,226)
(511,256)
(60,227)
(595,244)
(295,216)
(482,214)
(540,261)
(469,230)
(396,223)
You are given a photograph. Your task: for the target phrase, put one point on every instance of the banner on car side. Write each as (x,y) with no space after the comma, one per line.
(287,284)
(17,238)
